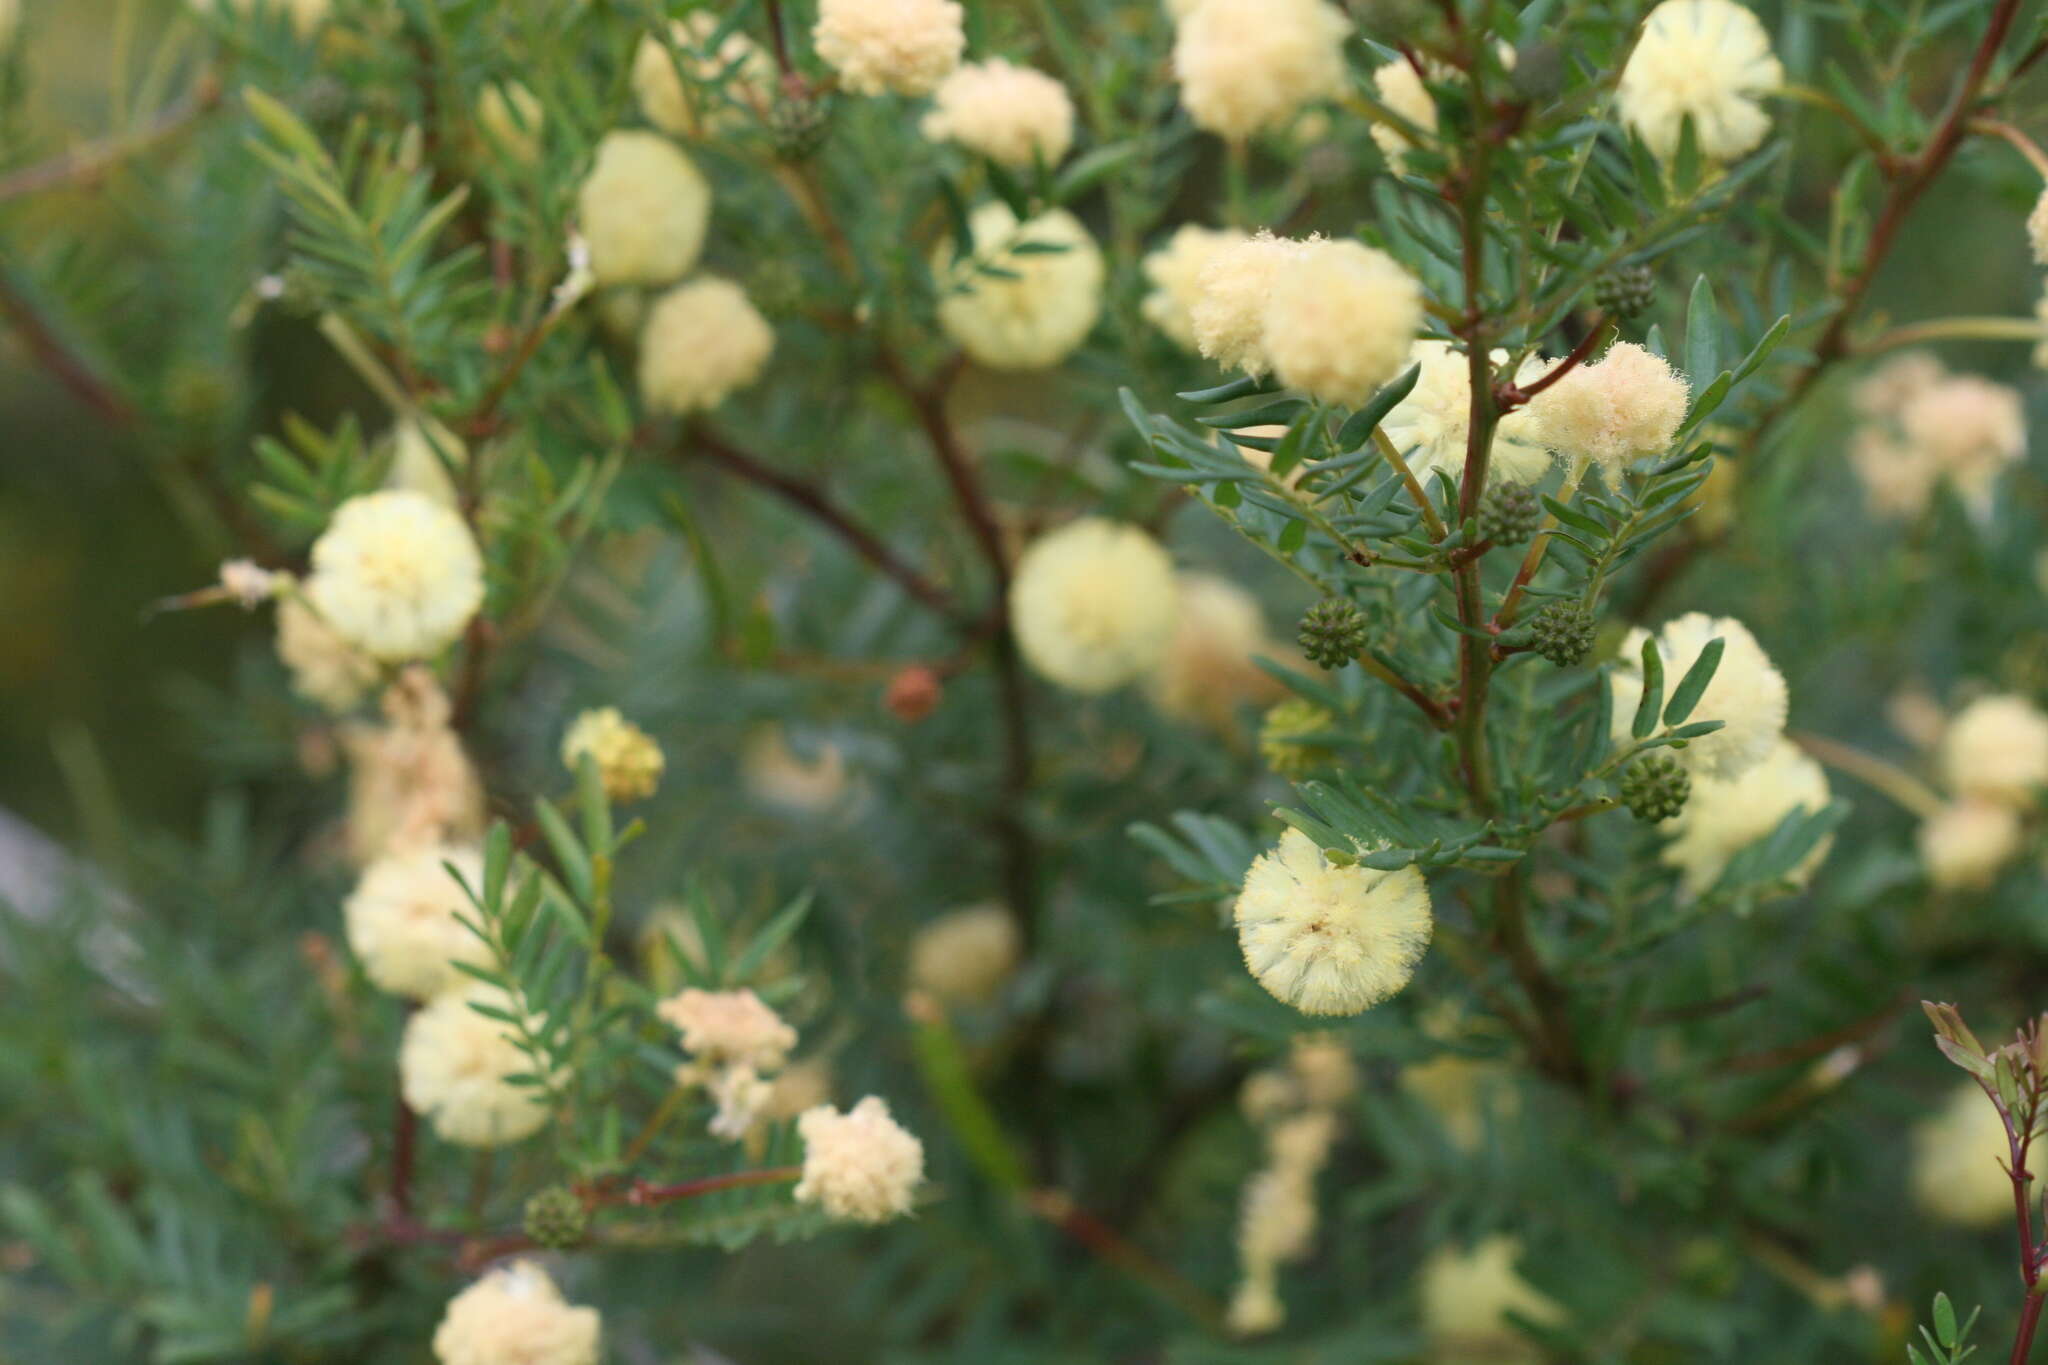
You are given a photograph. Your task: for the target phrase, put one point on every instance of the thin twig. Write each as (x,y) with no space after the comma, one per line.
(93,159)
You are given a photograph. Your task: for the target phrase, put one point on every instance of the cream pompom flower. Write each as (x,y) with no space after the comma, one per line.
(722,1028)
(514,1315)
(1329,938)
(1748,694)
(1228,316)
(1971,429)
(1174,271)
(325,668)
(629,762)
(1468,1295)
(861,1166)
(1723,816)
(452,1068)
(1340,320)
(675,89)
(901,46)
(1997,748)
(1247,66)
(1012,309)
(396,575)
(701,342)
(1208,670)
(512,119)
(642,210)
(1012,115)
(1707,60)
(1400,88)
(1627,405)
(1093,604)
(1431,425)
(1958,1161)
(1965,844)
(965,957)
(404,920)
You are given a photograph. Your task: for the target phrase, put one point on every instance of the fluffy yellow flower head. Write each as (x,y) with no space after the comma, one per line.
(1966,843)
(1042,304)
(396,575)
(728,1027)
(1971,429)
(1997,748)
(1093,604)
(1958,1156)
(904,46)
(1723,816)
(1400,89)
(1747,694)
(1340,321)
(701,341)
(325,668)
(1328,939)
(514,1315)
(1247,66)
(452,1065)
(967,955)
(628,760)
(1627,405)
(1466,1299)
(1208,670)
(410,783)
(1431,424)
(511,117)
(402,920)
(1175,273)
(643,210)
(1897,478)
(740,71)
(1009,114)
(1228,316)
(862,1165)
(1706,59)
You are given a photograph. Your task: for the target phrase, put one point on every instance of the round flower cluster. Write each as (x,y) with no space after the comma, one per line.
(1626,405)
(410,783)
(902,46)
(1208,668)
(404,920)
(1027,294)
(966,956)
(734,1041)
(326,669)
(1705,60)
(1010,114)
(454,1065)
(1959,1156)
(1335,318)
(1175,273)
(1296,1107)
(1747,694)
(1093,604)
(1923,425)
(700,342)
(687,88)
(1724,815)
(1248,66)
(396,575)
(629,762)
(1993,758)
(1329,937)
(514,1315)
(1399,87)
(1471,1298)
(643,210)
(1431,425)
(861,1166)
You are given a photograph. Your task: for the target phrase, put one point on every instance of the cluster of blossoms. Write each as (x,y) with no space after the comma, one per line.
(1470,1299)
(516,1314)
(1297,1109)
(629,762)
(1250,66)
(1993,761)
(966,956)
(1703,61)
(735,1043)
(1324,933)
(1922,426)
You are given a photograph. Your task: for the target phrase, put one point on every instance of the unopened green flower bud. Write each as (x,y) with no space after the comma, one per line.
(1626,290)
(798,124)
(556,1217)
(1562,633)
(1509,513)
(1655,787)
(1332,632)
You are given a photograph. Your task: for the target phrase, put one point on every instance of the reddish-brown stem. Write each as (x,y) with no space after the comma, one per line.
(1808,1048)
(86,162)
(1439,714)
(71,370)
(778,39)
(405,1126)
(2018,1144)
(1113,1248)
(825,512)
(640,1194)
(1511,396)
